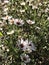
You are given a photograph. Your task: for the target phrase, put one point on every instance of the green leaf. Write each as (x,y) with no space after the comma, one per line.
(1,34)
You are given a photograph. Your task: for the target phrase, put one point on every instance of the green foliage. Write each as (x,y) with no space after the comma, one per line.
(38,32)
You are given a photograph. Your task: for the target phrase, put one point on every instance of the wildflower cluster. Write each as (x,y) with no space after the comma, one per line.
(24,32)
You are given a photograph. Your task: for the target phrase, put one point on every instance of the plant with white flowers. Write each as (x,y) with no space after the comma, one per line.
(24,32)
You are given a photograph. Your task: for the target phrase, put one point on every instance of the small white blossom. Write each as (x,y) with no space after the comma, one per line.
(7,50)
(25,58)
(40,4)
(7,17)
(22,10)
(11,21)
(47,18)
(1,29)
(30,22)
(30,4)
(23,3)
(23,44)
(6,1)
(34,7)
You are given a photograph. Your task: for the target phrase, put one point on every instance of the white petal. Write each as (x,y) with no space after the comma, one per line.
(11,32)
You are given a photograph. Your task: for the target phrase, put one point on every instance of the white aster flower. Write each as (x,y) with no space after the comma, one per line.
(18,22)
(26,45)
(25,58)
(30,22)
(11,32)
(22,44)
